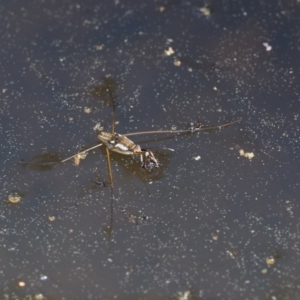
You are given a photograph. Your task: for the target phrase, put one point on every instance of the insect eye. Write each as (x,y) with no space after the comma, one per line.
(149,163)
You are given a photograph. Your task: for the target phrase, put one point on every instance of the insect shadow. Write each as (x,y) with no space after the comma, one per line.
(43,162)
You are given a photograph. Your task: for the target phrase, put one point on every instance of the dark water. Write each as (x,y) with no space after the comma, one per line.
(204,225)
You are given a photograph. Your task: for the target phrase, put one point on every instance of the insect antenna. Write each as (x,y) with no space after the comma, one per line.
(196,129)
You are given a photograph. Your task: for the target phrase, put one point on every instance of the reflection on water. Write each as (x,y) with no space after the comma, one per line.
(101,91)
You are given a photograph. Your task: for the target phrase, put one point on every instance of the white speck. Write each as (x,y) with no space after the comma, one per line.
(197,157)
(99,47)
(44,277)
(267,46)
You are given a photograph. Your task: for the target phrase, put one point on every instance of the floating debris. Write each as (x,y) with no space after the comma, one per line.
(21,283)
(215,236)
(79,157)
(39,297)
(169,51)
(98,127)
(44,277)
(14,197)
(232,253)
(51,218)
(177,63)
(87,109)
(161,8)
(184,296)
(270,260)
(197,157)
(131,218)
(99,47)
(206,11)
(249,155)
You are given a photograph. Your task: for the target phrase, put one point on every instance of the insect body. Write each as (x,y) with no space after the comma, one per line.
(119,143)
(123,145)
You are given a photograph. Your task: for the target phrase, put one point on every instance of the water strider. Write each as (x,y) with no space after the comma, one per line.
(121,144)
